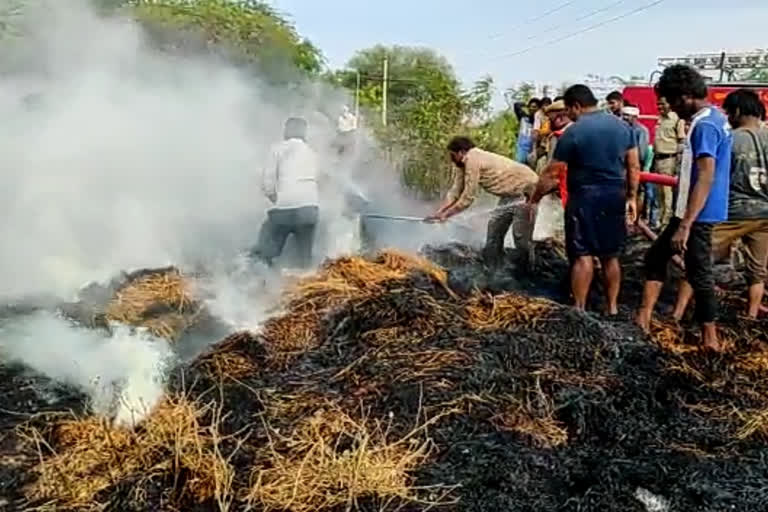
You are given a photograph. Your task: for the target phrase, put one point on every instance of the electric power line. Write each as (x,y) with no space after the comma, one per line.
(586,16)
(583,17)
(579,32)
(534,19)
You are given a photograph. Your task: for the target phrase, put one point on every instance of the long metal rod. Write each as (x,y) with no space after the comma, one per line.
(393,217)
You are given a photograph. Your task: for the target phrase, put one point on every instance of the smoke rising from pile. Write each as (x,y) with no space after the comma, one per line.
(116,156)
(127,158)
(122,374)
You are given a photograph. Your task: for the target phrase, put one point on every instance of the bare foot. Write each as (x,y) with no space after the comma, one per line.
(709,338)
(714,346)
(643,320)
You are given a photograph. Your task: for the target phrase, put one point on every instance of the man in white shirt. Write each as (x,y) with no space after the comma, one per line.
(346,125)
(347,121)
(289,181)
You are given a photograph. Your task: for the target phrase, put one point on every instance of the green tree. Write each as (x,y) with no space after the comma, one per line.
(523,92)
(425,107)
(493,132)
(248,30)
(756,75)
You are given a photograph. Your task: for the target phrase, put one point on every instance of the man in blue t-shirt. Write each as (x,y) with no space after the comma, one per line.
(702,200)
(603,174)
(525,132)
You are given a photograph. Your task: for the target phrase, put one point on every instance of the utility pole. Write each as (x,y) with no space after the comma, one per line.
(357,96)
(385,86)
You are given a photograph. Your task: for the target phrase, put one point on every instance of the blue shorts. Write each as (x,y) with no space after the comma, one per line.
(595,221)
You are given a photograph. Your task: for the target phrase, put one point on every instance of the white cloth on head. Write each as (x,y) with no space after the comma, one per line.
(630,111)
(291,175)
(347,122)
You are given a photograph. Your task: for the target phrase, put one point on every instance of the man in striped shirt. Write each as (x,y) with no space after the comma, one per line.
(511,181)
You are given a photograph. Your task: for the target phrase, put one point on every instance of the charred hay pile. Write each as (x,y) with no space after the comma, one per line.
(164,302)
(384,387)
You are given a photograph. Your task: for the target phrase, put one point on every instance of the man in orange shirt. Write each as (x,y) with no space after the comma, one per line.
(553,177)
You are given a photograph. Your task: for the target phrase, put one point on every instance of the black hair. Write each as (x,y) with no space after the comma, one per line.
(546,101)
(579,94)
(744,102)
(558,98)
(295,128)
(537,101)
(460,144)
(680,80)
(614,96)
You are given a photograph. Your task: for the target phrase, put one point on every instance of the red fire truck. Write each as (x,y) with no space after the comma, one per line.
(645,98)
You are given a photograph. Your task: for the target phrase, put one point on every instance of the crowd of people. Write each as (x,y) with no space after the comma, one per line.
(593,158)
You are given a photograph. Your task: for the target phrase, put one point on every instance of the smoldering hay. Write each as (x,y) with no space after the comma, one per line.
(384,383)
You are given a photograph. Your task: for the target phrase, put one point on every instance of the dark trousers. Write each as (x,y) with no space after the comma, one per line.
(280,223)
(698,265)
(510,211)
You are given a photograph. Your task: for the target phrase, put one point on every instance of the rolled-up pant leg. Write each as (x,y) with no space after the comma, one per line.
(522,231)
(756,251)
(698,267)
(501,219)
(658,256)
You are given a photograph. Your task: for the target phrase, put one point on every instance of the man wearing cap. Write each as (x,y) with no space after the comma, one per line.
(631,114)
(511,181)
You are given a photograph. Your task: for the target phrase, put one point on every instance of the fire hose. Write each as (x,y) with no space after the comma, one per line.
(658,179)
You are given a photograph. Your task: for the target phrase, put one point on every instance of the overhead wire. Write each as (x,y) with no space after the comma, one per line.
(534,19)
(578,19)
(586,16)
(584,30)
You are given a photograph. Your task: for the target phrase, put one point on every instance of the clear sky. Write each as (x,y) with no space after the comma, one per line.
(495,37)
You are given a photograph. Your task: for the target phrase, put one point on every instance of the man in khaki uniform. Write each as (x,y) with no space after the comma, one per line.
(670,134)
(511,181)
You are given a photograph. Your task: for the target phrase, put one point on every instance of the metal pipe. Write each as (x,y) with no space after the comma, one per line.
(393,217)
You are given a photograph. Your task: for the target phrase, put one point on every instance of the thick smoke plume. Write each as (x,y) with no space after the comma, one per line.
(122,374)
(116,156)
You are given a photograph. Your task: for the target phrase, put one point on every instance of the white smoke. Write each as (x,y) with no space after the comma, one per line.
(116,156)
(122,374)
(129,157)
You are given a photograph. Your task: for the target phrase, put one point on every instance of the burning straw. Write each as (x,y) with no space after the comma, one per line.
(161,302)
(506,311)
(332,461)
(337,283)
(181,437)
